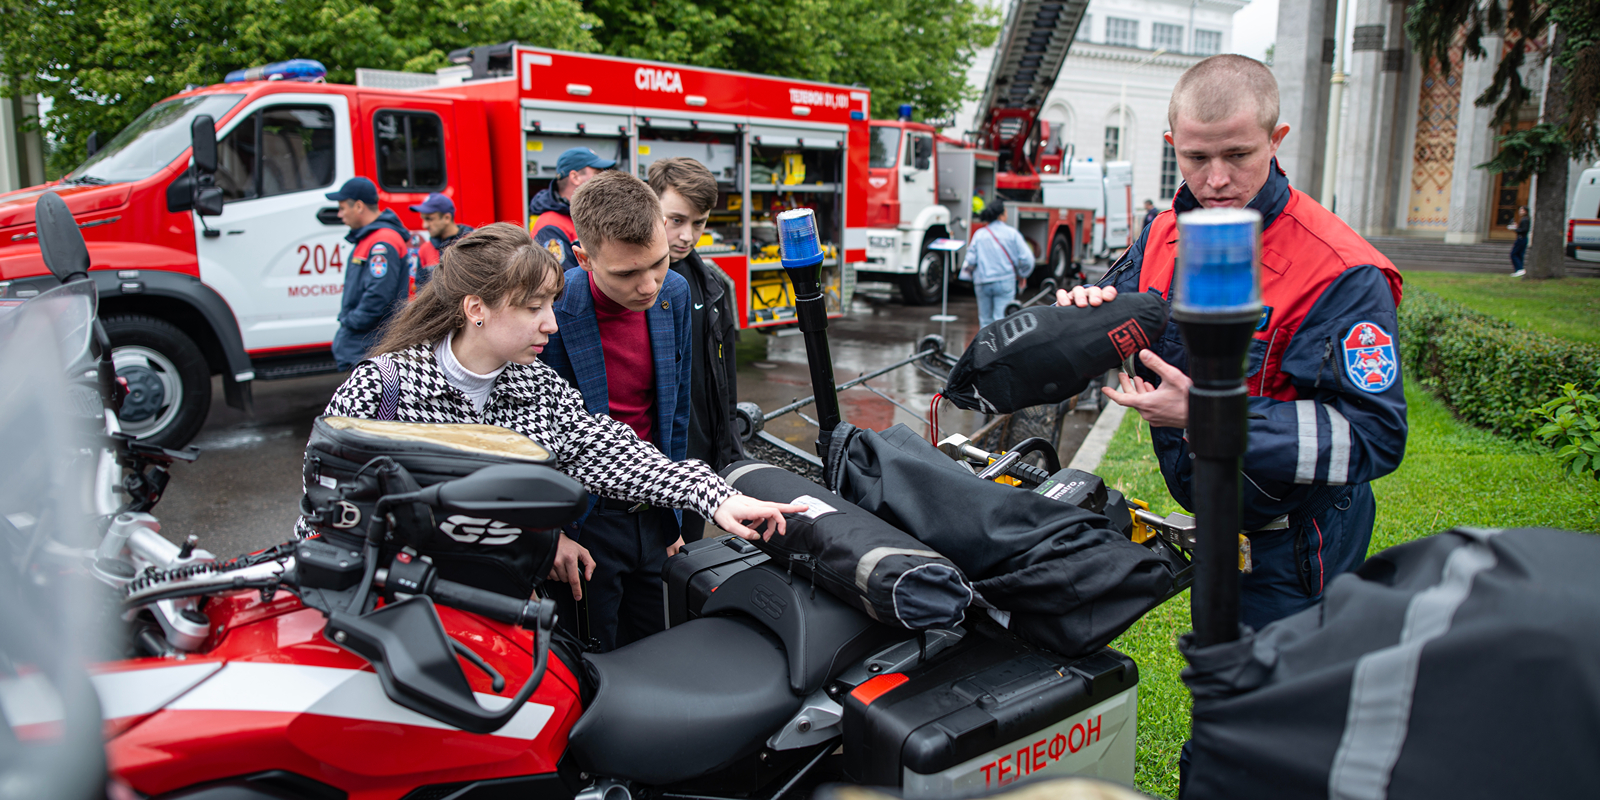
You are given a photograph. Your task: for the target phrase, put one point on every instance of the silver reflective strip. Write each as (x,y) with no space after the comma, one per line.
(1339,456)
(735,475)
(1386,680)
(869,562)
(1305,469)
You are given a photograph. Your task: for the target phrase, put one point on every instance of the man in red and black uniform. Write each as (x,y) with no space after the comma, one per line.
(1327,404)
(439,217)
(552,224)
(375,277)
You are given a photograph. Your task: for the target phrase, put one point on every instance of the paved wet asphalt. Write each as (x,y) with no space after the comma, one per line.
(242,493)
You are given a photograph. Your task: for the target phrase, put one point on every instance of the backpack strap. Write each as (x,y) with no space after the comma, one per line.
(389,401)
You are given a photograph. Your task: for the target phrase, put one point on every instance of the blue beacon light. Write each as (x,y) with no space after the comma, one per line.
(799,247)
(1219,257)
(295,69)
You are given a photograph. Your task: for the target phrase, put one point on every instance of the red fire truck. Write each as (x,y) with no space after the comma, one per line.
(236,268)
(922,185)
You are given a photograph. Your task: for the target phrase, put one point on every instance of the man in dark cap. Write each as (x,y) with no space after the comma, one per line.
(439,217)
(552,225)
(375,278)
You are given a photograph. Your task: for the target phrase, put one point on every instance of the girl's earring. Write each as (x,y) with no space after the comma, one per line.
(478,323)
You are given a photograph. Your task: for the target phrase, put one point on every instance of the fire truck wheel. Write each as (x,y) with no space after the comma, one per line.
(169,383)
(1062,268)
(923,288)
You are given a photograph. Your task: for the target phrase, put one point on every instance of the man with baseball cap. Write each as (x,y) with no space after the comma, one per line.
(552,225)
(375,278)
(439,217)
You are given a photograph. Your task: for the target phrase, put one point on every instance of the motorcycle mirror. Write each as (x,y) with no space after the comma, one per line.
(525,495)
(203,132)
(60,241)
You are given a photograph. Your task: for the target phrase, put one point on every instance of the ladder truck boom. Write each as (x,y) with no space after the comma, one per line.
(1028,57)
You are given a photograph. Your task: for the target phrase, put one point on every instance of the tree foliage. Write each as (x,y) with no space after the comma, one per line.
(1434,25)
(905,51)
(104,61)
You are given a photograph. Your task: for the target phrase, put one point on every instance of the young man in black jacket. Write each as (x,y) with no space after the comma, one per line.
(688,192)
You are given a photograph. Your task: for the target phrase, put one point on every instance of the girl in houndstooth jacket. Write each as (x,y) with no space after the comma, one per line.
(467,350)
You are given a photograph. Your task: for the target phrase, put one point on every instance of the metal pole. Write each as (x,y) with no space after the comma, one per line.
(801,256)
(1122,114)
(1216,305)
(1330,156)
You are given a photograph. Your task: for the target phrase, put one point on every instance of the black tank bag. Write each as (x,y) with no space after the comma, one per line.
(861,559)
(351,463)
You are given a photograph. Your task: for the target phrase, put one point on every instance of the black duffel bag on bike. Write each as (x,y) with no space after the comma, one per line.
(350,463)
(854,555)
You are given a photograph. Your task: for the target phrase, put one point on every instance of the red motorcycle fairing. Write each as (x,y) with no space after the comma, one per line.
(268,692)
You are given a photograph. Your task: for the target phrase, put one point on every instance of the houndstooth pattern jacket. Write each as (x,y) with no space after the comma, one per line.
(605,455)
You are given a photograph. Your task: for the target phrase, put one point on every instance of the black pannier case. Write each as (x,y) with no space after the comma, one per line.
(995,711)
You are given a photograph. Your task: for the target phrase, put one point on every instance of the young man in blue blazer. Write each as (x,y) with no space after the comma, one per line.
(625,343)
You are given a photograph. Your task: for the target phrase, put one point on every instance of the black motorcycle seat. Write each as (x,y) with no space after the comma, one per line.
(685,702)
(820,633)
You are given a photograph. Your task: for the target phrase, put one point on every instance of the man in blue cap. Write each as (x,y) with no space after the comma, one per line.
(439,217)
(375,279)
(552,225)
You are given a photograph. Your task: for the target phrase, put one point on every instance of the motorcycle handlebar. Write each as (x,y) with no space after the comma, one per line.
(495,606)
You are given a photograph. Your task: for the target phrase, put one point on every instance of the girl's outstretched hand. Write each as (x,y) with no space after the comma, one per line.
(739,512)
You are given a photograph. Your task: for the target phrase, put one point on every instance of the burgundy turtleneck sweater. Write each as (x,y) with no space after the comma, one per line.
(630,365)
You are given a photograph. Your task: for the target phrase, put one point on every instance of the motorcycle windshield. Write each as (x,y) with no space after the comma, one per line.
(63,318)
(50,735)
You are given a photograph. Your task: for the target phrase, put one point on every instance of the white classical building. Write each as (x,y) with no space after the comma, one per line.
(21,150)
(1110,100)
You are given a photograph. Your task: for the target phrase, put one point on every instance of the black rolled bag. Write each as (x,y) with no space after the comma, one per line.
(854,555)
(1462,665)
(1044,355)
(343,481)
(1062,577)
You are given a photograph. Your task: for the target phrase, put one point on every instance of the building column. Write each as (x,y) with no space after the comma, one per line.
(1303,65)
(1469,189)
(1364,197)
(21,156)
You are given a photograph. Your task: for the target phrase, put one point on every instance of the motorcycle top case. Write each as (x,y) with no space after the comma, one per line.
(1041,356)
(343,484)
(994,712)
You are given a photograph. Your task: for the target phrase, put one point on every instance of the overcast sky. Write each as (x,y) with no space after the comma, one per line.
(1255,27)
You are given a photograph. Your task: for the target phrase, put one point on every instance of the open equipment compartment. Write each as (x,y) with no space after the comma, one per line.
(794,168)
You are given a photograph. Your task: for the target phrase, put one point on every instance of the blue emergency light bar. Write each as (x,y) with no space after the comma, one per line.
(1219,258)
(295,69)
(798,243)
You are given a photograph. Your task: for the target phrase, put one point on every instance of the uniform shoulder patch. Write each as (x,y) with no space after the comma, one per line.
(1369,357)
(555,248)
(377,263)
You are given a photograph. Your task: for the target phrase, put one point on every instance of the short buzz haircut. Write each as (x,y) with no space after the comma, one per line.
(1215,88)
(614,206)
(689,178)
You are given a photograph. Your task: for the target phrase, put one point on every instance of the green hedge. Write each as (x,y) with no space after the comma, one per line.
(1488,370)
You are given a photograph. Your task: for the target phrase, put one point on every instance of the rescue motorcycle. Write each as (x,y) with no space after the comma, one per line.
(349,668)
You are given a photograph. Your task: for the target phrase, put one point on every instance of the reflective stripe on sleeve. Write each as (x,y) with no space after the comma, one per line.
(1305,412)
(1339,455)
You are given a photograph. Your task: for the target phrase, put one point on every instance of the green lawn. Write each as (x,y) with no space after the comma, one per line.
(1452,475)
(1568,308)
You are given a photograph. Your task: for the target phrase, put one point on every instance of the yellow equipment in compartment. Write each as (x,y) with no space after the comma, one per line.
(772,296)
(794,169)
